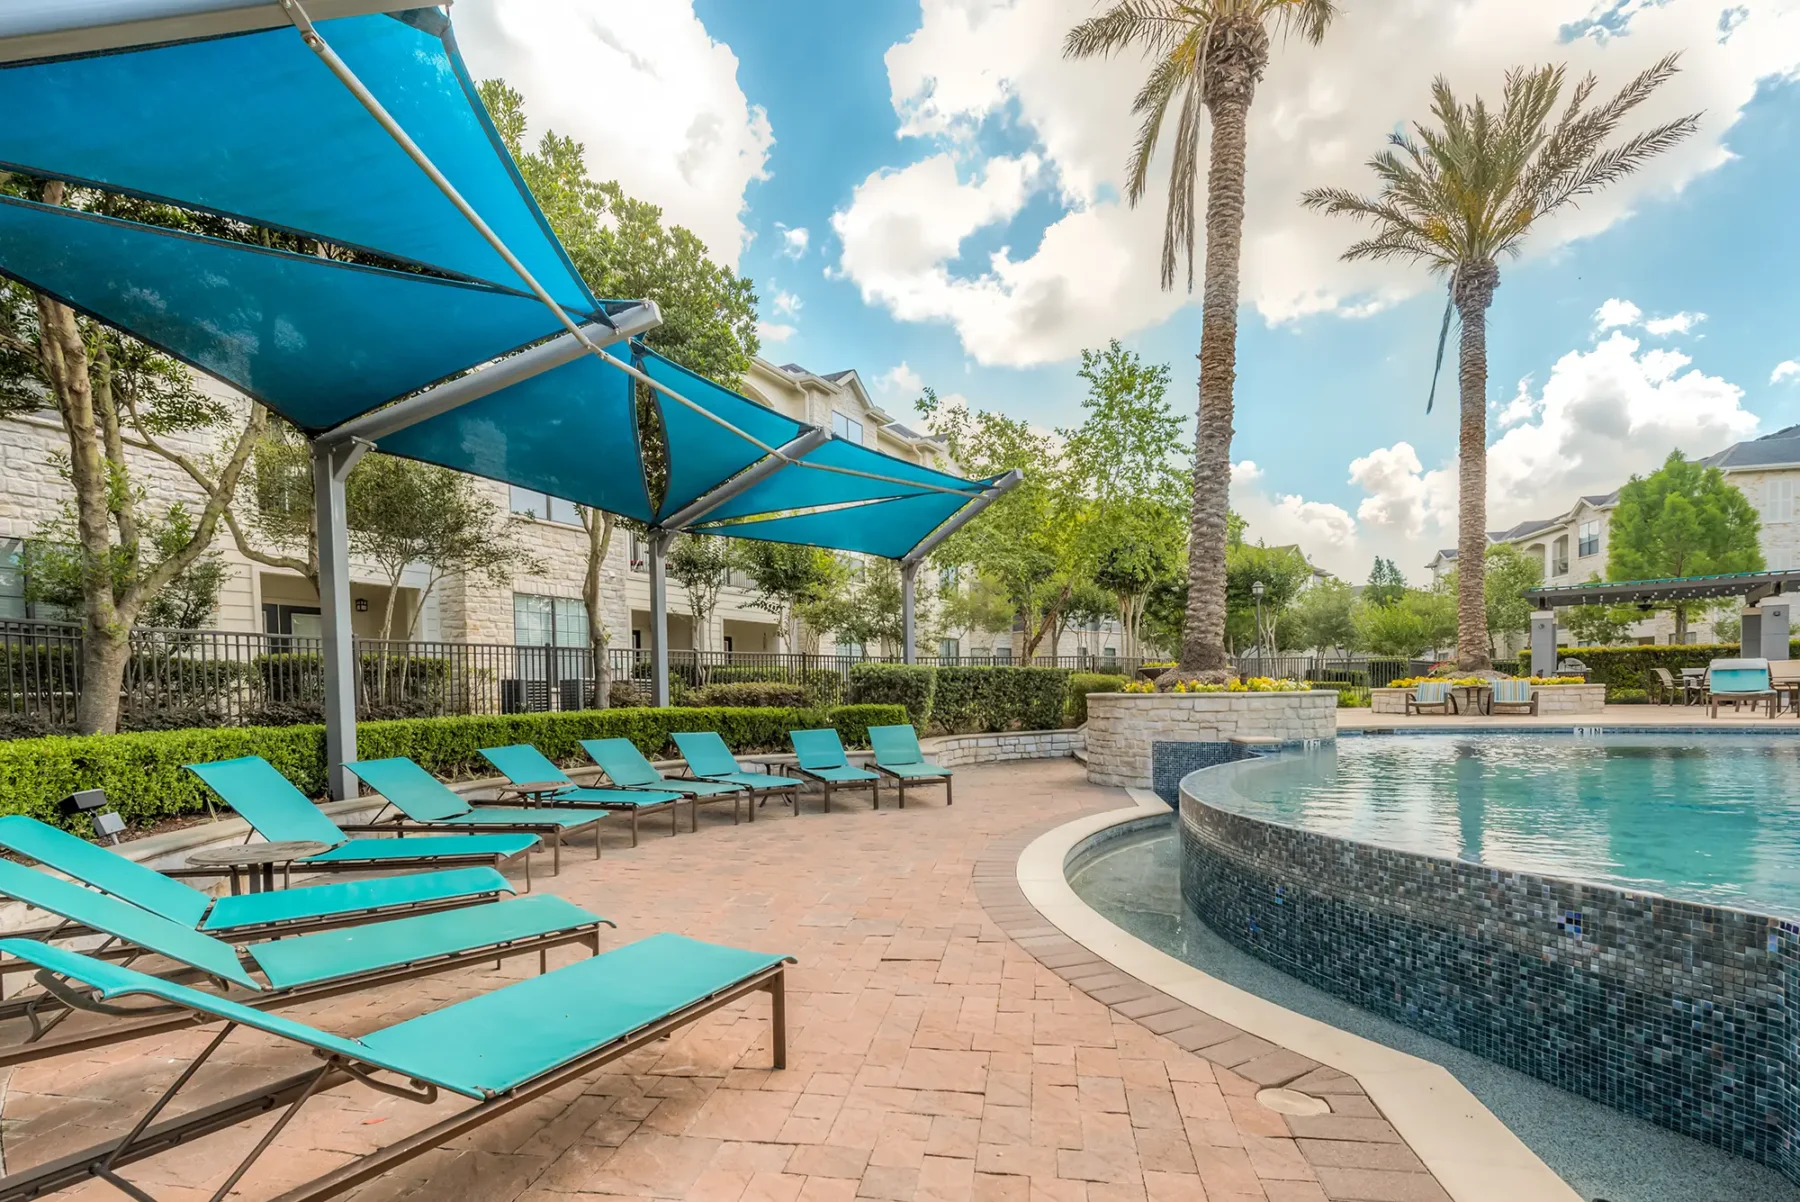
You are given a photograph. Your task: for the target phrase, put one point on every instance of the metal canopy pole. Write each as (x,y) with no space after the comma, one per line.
(331,464)
(659,619)
(964,516)
(909,634)
(761,470)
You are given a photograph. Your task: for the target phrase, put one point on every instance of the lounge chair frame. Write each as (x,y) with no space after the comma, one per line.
(148,1136)
(941,777)
(1496,706)
(551,833)
(1446,706)
(695,797)
(744,779)
(511,791)
(829,787)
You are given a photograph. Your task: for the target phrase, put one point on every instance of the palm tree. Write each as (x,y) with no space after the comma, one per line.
(1211,54)
(1459,195)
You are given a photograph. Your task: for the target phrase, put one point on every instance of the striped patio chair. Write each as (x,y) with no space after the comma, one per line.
(1513,697)
(1433,696)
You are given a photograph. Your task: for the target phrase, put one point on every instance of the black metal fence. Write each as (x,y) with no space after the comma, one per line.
(1357,671)
(177,678)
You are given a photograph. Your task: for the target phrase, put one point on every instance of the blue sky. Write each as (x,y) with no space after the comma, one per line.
(935,135)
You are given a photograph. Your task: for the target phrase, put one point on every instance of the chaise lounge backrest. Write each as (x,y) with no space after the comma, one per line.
(410,789)
(268,801)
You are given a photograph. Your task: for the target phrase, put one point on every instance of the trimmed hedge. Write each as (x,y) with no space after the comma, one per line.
(824,686)
(144,778)
(1626,668)
(778,693)
(999,698)
(911,685)
(1083,683)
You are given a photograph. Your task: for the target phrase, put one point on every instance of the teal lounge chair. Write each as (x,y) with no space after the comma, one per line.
(709,759)
(532,776)
(247,916)
(300,967)
(427,802)
(819,755)
(626,767)
(1739,682)
(279,812)
(501,1049)
(898,756)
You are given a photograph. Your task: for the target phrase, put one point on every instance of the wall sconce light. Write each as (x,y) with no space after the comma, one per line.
(362,605)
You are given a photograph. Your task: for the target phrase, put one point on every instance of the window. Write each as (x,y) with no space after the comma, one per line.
(1003,655)
(852,650)
(1112,653)
(558,621)
(1589,543)
(846,427)
(12,580)
(949,649)
(1559,557)
(1778,499)
(544,506)
(635,548)
(947,579)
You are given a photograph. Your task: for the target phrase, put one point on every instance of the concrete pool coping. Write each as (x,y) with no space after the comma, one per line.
(1473,1155)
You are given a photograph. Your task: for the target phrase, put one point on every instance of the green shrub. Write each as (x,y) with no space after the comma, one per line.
(911,685)
(824,686)
(778,693)
(1630,667)
(1626,696)
(144,778)
(1083,683)
(999,698)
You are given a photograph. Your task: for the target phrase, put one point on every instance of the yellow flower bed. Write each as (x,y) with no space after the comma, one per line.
(1255,684)
(1467,682)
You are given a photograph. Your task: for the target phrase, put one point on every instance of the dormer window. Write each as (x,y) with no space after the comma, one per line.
(846,427)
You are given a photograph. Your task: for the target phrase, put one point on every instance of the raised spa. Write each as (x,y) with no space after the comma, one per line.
(1616,915)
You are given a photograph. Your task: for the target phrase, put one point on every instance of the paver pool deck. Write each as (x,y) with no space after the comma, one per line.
(945,1043)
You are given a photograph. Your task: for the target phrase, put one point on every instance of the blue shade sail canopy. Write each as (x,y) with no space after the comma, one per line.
(801,487)
(570,432)
(32,29)
(255,126)
(886,528)
(316,340)
(702,453)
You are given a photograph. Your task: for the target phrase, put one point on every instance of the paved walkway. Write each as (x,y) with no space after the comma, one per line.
(933,1055)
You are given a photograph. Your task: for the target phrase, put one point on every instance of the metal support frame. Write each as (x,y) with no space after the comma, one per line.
(657,553)
(761,470)
(909,633)
(963,517)
(331,464)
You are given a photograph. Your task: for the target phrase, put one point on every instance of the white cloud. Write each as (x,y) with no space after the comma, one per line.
(1324,532)
(772,332)
(786,303)
(1617,314)
(1319,114)
(1678,323)
(1787,369)
(686,139)
(794,240)
(899,379)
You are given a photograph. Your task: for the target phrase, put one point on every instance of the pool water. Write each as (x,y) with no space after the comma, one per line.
(1707,818)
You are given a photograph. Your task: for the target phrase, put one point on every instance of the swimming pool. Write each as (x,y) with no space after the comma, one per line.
(1713,819)
(1615,915)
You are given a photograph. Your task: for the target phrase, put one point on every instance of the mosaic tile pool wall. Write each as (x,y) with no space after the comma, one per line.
(1674,1012)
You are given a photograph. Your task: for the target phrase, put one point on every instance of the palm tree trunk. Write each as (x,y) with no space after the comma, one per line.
(1203,631)
(1474,292)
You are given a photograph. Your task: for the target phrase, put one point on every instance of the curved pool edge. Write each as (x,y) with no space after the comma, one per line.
(1473,1155)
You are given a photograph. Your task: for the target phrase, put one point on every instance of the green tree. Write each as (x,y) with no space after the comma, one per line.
(1387,583)
(1418,621)
(403,513)
(1205,54)
(787,578)
(702,564)
(1509,572)
(974,601)
(53,570)
(1282,571)
(1683,519)
(1136,552)
(1461,193)
(1600,625)
(1320,618)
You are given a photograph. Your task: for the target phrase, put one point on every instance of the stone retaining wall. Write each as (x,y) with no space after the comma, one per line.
(1552,699)
(953,751)
(1122,727)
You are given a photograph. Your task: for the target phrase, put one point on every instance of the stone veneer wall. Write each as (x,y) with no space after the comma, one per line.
(1674,1012)
(953,751)
(1122,727)
(1552,699)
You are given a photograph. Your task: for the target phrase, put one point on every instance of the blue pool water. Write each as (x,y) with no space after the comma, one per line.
(1708,818)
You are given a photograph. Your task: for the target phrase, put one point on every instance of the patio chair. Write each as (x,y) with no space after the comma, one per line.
(501,1049)
(250,915)
(709,759)
(1737,683)
(1513,697)
(281,813)
(296,968)
(819,756)
(426,802)
(524,765)
(899,757)
(626,767)
(1434,695)
(1784,678)
(1665,689)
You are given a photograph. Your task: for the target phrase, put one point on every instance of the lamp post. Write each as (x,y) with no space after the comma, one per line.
(1256,591)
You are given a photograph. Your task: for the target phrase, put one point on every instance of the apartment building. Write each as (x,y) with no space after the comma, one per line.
(1573,545)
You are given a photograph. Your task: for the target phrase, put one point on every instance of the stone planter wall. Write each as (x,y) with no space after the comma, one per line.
(1552,699)
(953,751)
(1123,728)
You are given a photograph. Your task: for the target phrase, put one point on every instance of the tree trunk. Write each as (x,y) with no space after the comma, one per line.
(599,527)
(1473,293)
(1231,86)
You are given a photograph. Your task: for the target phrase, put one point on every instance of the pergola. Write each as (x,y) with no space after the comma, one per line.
(474,344)
(1765,615)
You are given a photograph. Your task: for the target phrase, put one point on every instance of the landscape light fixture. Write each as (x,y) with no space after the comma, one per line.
(92,802)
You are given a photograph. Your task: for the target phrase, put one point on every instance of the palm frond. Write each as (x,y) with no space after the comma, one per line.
(1178,223)
(1153,102)
(1307,18)
(1155,26)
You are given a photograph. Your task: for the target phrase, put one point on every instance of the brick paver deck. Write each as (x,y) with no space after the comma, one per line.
(945,1043)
